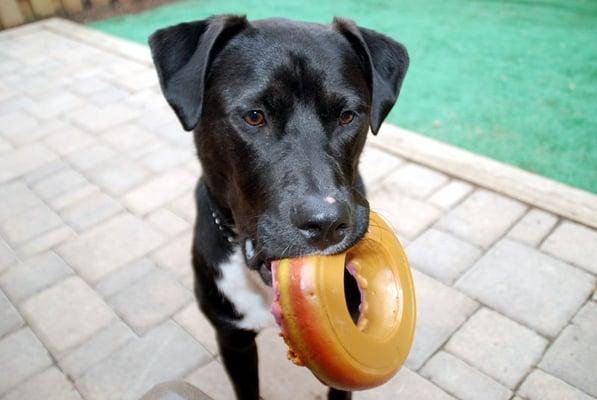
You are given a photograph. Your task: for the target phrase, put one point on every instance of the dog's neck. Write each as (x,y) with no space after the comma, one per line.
(222,219)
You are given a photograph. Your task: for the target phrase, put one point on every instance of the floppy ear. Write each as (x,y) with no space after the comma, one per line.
(182,55)
(384,60)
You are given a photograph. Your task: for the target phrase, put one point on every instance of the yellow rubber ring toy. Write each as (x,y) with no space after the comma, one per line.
(310,306)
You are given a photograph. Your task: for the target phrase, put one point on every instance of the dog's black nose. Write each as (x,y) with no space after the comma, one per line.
(324,222)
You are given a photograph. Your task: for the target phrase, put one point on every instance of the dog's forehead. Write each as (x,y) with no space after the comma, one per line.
(318,40)
(253,58)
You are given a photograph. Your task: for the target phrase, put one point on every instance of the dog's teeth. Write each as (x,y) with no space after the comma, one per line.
(249,250)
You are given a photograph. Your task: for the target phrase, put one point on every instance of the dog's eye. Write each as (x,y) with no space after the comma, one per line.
(254,118)
(345,118)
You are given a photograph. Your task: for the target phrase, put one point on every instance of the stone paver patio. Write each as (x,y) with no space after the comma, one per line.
(96,210)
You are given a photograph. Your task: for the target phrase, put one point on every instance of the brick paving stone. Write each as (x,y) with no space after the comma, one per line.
(90,211)
(31,276)
(139,152)
(194,322)
(7,256)
(88,85)
(5,92)
(51,384)
(274,365)
(151,300)
(53,104)
(124,277)
(541,386)
(185,207)
(176,256)
(74,196)
(533,227)
(166,157)
(574,243)
(482,218)
(108,95)
(374,164)
(415,180)
(127,136)
(521,282)
(117,175)
(15,198)
(59,184)
(97,348)
(213,381)
(98,119)
(465,382)
(45,241)
(173,132)
(4,146)
(121,67)
(38,133)
(158,191)
(497,346)
(44,172)
(167,222)
(68,140)
(449,195)
(408,216)
(440,311)
(150,101)
(441,255)
(572,355)
(137,80)
(161,120)
(21,355)
(24,159)
(66,314)
(110,245)
(165,353)
(29,224)
(189,282)
(14,123)
(11,319)
(11,104)
(90,156)
(405,385)
(6,65)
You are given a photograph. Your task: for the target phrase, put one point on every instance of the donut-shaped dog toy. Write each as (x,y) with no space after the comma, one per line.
(310,307)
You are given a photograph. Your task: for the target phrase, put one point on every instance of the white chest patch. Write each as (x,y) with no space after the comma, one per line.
(244,288)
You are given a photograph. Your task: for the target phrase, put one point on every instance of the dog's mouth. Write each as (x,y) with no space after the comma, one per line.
(256,262)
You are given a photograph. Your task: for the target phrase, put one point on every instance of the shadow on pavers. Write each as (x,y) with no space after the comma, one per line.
(175,390)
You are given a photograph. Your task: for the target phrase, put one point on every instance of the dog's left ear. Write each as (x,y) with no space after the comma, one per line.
(384,60)
(182,55)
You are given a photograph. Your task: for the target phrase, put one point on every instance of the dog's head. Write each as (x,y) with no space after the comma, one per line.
(280,111)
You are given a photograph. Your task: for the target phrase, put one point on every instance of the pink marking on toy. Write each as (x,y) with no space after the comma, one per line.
(330,200)
(276,309)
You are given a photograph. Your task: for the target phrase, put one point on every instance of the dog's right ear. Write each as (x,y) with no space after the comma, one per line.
(182,55)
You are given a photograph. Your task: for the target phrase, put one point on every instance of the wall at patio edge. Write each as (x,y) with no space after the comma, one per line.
(17,12)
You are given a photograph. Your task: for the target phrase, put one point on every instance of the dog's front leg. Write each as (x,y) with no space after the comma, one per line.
(239,354)
(335,394)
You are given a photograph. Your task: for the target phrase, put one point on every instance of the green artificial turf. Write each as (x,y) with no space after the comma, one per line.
(513,80)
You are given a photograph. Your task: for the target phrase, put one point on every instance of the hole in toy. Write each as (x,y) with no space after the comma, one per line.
(352,293)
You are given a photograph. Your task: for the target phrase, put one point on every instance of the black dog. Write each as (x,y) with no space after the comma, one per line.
(280,112)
